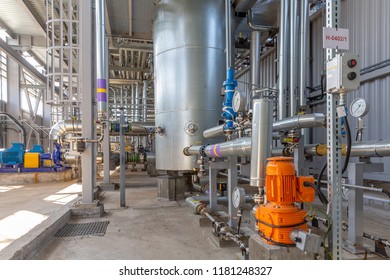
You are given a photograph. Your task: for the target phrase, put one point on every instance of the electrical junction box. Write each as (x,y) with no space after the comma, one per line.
(343,73)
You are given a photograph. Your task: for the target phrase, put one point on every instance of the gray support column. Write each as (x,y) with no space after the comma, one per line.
(122,185)
(132,102)
(213,188)
(355,242)
(88,160)
(106,154)
(333,11)
(137,99)
(145,101)
(355,205)
(232,183)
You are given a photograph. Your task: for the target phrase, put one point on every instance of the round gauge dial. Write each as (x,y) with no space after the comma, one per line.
(238,197)
(239,102)
(359,108)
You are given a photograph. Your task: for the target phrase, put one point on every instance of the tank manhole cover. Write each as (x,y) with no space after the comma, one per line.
(94,228)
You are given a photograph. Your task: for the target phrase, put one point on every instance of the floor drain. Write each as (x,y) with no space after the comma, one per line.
(94,228)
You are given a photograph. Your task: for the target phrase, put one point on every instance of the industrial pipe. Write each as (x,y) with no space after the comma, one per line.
(256,27)
(240,146)
(283,61)
(17,123)
(255,59)
(293,56)
(243,146)
(261,140)
(64,127)
(214,132)
(303,50)
(197,202)
(377,148)
(101,59)
(299,121)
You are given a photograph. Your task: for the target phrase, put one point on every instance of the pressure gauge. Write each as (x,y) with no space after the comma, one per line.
(238,197)
(239,102)
(359,108)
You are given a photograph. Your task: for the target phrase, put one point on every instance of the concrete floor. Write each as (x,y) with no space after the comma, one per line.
(23,207)
(148,228)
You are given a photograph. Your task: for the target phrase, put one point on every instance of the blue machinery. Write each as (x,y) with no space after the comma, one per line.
(17,159)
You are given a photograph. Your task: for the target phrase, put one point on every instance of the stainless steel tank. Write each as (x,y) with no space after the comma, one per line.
(189,65)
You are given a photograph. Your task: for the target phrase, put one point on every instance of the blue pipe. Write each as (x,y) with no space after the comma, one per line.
(228,114)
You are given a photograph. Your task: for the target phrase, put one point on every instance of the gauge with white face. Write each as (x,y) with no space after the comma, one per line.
(239,101)
(238,197)
(359,108)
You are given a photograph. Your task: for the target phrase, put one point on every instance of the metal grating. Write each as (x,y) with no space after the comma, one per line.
(94,228)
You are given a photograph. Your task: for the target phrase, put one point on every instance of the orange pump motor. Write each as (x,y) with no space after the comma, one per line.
(280,216)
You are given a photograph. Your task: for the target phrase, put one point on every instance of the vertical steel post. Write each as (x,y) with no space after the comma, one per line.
(213,188)
(232,183)
(334,146)
(122,184)
(145,101)
(88,159)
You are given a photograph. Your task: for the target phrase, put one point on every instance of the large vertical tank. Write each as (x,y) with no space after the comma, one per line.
(189,63)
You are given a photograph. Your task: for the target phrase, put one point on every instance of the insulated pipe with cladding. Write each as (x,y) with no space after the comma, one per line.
(261,140)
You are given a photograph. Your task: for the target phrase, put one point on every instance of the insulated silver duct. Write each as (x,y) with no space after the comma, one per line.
(240,146)
(243,147)
(299,121)
(261,140)
(64,127)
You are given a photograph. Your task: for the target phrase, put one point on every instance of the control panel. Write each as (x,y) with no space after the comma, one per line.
(343,73)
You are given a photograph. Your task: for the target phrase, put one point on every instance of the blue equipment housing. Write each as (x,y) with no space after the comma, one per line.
(37,149)
(13,155)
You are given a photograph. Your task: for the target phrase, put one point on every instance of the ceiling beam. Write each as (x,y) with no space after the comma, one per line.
(126,68)
(21,60)
(124,82)
(26,6)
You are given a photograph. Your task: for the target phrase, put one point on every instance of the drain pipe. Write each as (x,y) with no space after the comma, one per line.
(18,124)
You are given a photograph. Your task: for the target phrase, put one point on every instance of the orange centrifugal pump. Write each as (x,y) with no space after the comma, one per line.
(277,218)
